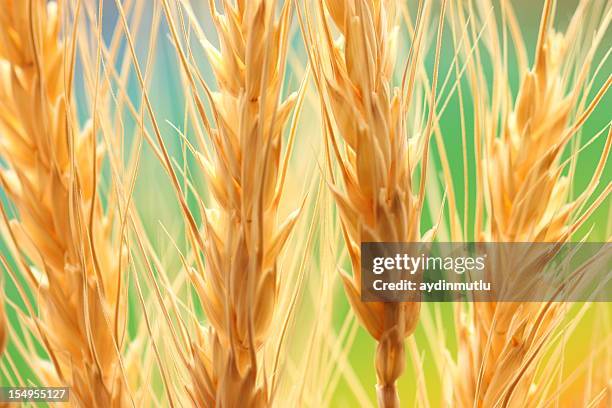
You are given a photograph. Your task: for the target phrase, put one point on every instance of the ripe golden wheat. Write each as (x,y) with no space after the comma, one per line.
(65,238)
(366,133)
(528,200)
(53,168)
(245,169)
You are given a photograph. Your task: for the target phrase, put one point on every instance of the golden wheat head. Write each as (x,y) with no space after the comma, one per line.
(51,177)
(239,285)
(366,128)
(528,199)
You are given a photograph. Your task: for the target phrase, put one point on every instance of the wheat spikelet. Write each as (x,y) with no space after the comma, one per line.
(52,175)
(238,287)
(377,159)
(528,200)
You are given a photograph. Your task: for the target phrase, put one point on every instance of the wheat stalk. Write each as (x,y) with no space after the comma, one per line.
(245,170)
(53,169)
(365,124)
(528,200)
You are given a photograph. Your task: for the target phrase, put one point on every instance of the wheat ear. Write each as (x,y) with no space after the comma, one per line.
(53,168)
(238,287)
(366,128)
(528,200)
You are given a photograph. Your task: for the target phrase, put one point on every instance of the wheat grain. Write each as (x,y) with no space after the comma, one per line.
(239,287)
(528,200)
(52,175)
(362,110)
